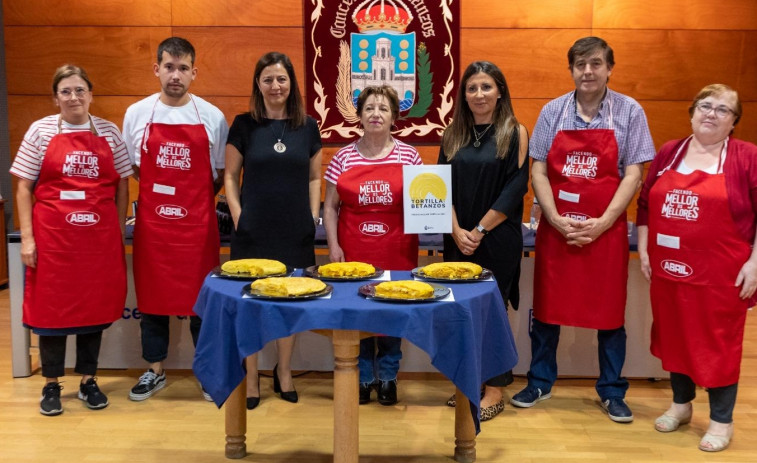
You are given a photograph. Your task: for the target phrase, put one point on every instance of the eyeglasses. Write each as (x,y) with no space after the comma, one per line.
(67,93)
(720,111)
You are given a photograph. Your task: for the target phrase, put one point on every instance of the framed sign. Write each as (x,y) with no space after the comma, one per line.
(411,45)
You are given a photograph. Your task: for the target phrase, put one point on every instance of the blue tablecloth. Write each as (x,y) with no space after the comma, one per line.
(468,340)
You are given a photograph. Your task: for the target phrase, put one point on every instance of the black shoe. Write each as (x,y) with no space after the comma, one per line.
(289,396)
(365,392)
(91,395)
(49,404)
(253,402)
(149,383)
(387,392)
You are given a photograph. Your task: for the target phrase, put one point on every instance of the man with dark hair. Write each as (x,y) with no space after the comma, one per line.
(176,142)
(588,150)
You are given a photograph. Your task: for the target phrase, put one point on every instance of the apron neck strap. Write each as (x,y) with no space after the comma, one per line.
(685,144)
(146,134)
(91,125)
(573,103)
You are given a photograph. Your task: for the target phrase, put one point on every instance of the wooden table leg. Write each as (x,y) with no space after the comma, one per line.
(236,422)
(346,379)
(465,431)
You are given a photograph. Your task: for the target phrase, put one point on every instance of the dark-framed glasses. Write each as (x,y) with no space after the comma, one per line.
(720,111)
(68,93)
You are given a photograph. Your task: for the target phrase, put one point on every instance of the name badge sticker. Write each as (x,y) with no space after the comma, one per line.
(72,195)
(667,241)
(164,189)
(570,197)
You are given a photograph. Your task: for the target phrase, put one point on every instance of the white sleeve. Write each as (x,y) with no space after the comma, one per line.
(132,135)
(218,154)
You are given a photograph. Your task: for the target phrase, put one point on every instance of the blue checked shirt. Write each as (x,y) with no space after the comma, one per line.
(635,144)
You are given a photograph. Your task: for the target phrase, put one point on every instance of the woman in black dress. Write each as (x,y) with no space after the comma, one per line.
(487,149)
(277,148)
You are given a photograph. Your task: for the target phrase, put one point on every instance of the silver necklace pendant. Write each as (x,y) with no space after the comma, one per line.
(479,136)
(279,147)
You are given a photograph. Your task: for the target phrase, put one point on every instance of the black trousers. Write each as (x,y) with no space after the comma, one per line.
(722,399)
(52,354)
(155,335)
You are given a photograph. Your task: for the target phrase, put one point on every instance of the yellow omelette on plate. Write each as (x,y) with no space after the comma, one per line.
(287,286)
(404,289)
(254,267)
(452,270)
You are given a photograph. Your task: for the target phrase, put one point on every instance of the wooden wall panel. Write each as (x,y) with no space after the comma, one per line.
(534,61)
(524,14)
(665,51)
(229,105)
(87,13)
(116,58)
(527,110)
(675,14)
(667,120)
(238,13)
(747,127)
(226,56)
(672,65)
(747,84)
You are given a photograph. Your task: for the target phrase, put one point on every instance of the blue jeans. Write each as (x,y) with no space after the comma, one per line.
(155,335)
(385,364)
(612,354)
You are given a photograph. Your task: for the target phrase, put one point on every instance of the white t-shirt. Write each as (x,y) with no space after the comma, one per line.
(31,153)
(138,114)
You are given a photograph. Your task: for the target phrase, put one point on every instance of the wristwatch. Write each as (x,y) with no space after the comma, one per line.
(481,229)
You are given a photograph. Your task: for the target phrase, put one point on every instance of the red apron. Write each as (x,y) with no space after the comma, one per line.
(582,286)
(80,278)
(696,252)
(176,240)
(371,223)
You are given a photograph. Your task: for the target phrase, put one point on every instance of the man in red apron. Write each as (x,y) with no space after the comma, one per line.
(176,141)
(589,147)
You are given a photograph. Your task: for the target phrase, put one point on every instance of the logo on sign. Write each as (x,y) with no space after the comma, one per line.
(575,216)
(170,211)
(373,228)
(676,269)
(82,218)
(426,191)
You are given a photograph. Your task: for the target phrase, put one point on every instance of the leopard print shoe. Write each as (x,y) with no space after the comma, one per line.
(492,410)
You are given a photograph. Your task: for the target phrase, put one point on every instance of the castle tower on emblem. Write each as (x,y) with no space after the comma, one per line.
(382,53)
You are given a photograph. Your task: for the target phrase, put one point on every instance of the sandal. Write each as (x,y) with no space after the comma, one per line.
(670,423)
(715,443)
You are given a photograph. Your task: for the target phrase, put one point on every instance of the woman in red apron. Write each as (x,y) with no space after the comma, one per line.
(364,221)
(696,236)
(71,238)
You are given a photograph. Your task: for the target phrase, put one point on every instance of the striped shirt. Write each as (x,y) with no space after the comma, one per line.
(31,153)
(349,157)
(635,144)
